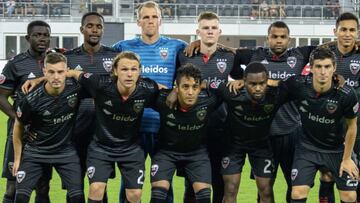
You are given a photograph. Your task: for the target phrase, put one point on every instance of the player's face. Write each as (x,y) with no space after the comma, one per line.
(39,39)
(149,21)
(209,31)
(92,29)
(322,70)
(256,84)
(55,74)
(278,40)
(188,90)
(346,33)
(127,72)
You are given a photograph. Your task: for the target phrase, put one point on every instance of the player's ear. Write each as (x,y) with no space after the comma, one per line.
(81,29)
(27,37)
(197,32)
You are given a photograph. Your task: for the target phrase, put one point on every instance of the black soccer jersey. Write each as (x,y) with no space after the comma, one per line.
(184,131)
(98,63)
(290,63)
(51,119)
(322,115)
(248,122)
(118,120)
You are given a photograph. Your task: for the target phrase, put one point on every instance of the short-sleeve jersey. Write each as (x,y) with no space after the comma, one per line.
(322,115)
(52,119)
(184,130)
(118,120)
(158,62)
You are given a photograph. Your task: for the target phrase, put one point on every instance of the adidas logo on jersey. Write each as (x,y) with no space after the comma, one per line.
(171,116)
(78,67)
(302,109)
(46,113)
(109,103)
(31,75)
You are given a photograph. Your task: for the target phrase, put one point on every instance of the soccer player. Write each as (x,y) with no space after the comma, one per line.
(48,112)
(216,64)
(328,117)
(348,65)
(158,62)
(119,105)
(24,66)
(92,57)
(250,114)
(182,137)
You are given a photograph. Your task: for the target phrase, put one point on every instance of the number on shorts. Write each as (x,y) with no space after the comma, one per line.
(352,183)
(140,178)
(268,164)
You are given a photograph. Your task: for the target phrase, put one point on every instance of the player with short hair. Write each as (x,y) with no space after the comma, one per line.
(49,113)
(182,137)
(24,66)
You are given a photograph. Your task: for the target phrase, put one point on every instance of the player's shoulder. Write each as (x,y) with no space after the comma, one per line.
(147,83)
(346,90)
(18,58)
(175,41)
(225,51)
(33,96)
(108,49)
(73,51)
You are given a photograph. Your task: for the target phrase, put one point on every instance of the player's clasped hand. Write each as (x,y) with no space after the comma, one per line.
(349,167)
(235,85)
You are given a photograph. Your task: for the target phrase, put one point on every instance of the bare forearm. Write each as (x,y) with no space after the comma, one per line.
(6,107)
(349,142)
(17,140)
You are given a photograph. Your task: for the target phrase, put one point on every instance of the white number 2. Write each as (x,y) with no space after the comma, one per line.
(140,178)
(268,164)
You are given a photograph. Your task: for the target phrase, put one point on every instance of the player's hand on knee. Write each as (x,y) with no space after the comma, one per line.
(349,166)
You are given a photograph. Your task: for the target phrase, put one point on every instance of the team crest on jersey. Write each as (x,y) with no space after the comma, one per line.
(201,114)
(138,106)
(225,162)
(72,100)
(87,75)
(91,172)
(171,116)
(268,108)
(354,68)
(221,65)
(107,64)
(164,53)
(2,78)
(154,169)
(18,112)
(291,61)
(331,107)
(20,175)
(10,166)
(294,173)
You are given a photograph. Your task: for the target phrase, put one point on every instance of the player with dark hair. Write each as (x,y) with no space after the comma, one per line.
(182,137)
(49,112)
(24,66)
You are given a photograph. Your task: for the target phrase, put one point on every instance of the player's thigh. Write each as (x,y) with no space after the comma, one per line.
(98,169)
(70,174)
(262,163)
(28,175)
(132,169)
(304,168)
(233,162)
(163,166)
(198,168)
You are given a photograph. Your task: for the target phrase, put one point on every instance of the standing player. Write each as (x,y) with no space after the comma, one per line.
(215,65)
(348,65)
(92,57)
(328,117)
(182,137)
(49,112)
(158,62)
(119,105)
(27,65)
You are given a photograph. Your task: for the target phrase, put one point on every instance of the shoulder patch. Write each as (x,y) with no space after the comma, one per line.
(2,78)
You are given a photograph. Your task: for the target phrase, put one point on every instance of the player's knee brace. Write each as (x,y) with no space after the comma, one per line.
(203,196)
(326,192)
(299,200)
(94,201)
(158,195)
(22,198)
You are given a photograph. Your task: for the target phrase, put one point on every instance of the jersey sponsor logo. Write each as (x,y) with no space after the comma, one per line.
(291,61)
(256,118)
(63,118)
(31,75)
(210,80)
(109,103)
(352,83)
(46,113)
(90,172)
(87,75)
(78,67)
(190,127)
(126,118)
(320,119)
(215,84)
(331,106)
(356,107)
(225,162)
(268,108)
(279,75)
(107,64)
(20,176)
(171,116)
(164,53)
(354,67)
(107,112)
(2,78)
(154,69)
(264,61)
(201,114)
(72,100)
(18,112)
(138,105)
(154,169)
(294,173)
(10,166)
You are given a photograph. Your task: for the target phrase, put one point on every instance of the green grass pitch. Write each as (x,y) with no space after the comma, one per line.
(247,192)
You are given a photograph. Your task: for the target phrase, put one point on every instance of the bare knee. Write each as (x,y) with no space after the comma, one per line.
(133,195)
(348,196)
(299,192)
(326,176)
(231,187)
(97,190)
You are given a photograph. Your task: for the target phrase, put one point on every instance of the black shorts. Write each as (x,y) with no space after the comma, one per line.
(261,161)
(196,165)
(31,170)
(308,162)
(9,152)
(132,167)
